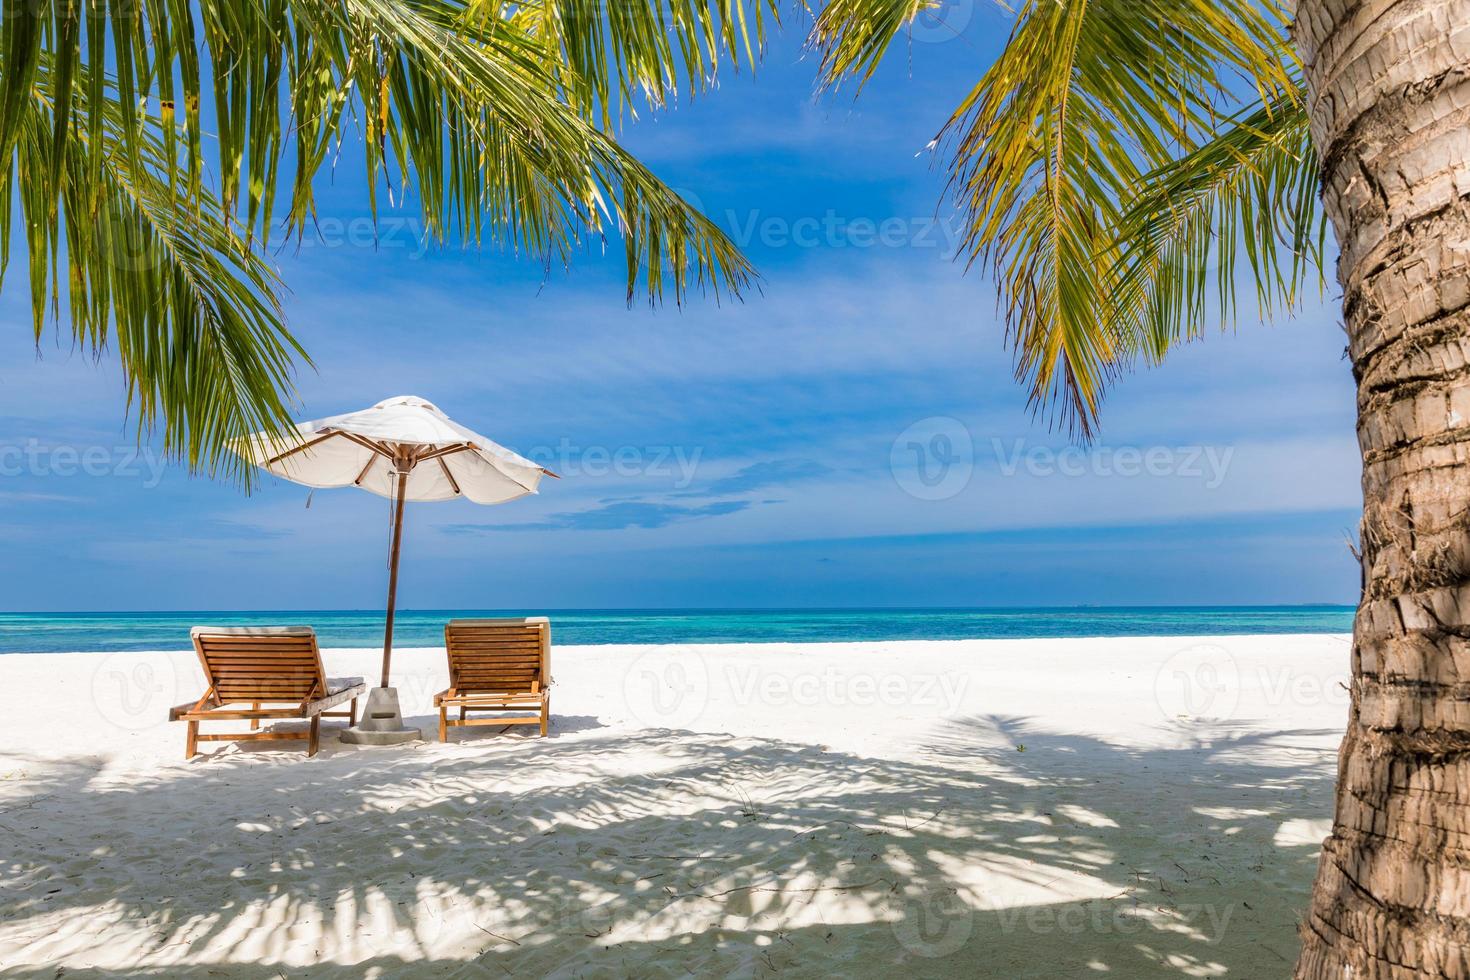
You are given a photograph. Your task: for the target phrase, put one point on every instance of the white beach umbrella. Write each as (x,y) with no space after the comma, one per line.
(402,448)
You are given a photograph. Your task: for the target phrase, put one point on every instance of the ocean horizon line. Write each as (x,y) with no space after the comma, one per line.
(645,610)
(104,631)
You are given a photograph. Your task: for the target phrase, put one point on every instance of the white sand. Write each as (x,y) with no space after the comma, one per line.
(1039,808)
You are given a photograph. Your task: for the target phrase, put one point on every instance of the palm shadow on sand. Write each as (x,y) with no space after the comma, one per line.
(735,855)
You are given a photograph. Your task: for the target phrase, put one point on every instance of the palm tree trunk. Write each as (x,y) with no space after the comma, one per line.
(1389,83)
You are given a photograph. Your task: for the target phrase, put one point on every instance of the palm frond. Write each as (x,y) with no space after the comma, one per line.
(1086,101)
(851,36)
(495,117)
(189,308)
(468,111)
(1245,202)
(607,55)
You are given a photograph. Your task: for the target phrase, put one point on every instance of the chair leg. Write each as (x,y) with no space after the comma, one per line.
(444,722)
(545,715)
(352,713)
(461,712)
(191,741)
(254,722)
(313,736)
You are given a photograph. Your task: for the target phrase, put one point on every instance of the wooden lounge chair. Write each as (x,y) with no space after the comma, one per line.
(497,665)
(264,665)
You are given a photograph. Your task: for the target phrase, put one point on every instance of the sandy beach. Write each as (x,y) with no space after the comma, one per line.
(1030,808)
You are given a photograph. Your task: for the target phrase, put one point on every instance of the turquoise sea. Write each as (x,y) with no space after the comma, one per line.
(108,631)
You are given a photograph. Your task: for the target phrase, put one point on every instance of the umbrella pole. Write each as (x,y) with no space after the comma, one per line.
(393,574)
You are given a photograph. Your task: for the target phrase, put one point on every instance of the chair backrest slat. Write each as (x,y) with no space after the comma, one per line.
(260,664)
(500,655)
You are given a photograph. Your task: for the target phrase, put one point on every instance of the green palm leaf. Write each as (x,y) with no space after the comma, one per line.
(1246,198)
(851,36)
(608,56)
(1064,157)
(189,308)
(496,117)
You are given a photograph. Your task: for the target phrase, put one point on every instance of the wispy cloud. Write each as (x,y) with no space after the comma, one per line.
(227,530)
(760,476)
(26,497)
(613,517)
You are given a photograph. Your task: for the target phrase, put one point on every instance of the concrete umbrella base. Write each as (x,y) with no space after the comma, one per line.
(382,721)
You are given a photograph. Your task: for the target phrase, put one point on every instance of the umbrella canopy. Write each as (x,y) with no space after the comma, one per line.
(402,448)
(365,449)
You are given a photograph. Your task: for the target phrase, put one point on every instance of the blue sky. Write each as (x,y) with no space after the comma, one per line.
(850,435)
